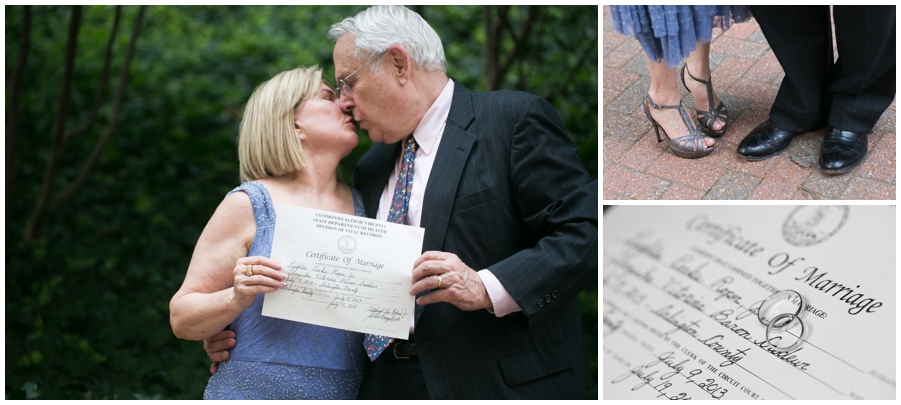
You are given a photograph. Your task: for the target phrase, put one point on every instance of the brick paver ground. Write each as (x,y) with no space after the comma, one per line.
(746,76)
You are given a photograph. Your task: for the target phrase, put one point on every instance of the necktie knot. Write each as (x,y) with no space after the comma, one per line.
(400,202)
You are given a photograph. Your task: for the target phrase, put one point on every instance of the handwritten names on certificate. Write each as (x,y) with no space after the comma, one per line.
(683,287)
(341,285)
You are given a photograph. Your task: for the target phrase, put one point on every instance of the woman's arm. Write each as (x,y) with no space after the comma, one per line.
(216,288)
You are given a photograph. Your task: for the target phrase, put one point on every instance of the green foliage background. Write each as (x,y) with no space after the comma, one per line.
(87,303)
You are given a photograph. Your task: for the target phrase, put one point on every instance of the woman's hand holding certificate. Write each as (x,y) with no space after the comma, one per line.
(256,275)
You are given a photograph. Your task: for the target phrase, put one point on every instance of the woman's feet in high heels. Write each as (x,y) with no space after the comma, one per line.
(712,120)
(686,140)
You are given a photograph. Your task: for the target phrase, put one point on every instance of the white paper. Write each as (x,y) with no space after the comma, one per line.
(344,271)
(680,284)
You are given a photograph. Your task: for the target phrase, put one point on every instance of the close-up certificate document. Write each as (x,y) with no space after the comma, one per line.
(344,272)
(749,302)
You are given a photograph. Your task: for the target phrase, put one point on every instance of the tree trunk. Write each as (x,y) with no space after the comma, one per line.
(12,106)
(114,120)
(49,201)
(495,70)
(104,79)
(36,222)
(490,49)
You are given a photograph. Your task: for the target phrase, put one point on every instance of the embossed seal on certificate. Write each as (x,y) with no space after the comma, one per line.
(347,244)
(810,225)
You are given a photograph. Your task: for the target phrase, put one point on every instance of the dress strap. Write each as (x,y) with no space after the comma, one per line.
(359,208)
(263,210)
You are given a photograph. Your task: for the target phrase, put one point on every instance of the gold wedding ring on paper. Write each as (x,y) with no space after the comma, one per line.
(249,270)
(783,320)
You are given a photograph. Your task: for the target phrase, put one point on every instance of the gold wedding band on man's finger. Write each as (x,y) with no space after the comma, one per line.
(249,270)
(439,280)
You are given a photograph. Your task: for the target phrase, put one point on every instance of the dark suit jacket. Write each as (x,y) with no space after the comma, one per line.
(507,192)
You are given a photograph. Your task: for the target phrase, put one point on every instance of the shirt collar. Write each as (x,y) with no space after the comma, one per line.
(432,124)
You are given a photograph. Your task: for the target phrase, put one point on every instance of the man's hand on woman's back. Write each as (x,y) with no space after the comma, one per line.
(217,347)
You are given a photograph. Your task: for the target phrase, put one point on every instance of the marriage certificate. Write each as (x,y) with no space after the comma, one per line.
(682,286)
(344,271)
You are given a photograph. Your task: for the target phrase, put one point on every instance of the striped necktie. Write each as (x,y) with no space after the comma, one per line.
(376,344)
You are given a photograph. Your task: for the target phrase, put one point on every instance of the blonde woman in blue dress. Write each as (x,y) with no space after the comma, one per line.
(291,139)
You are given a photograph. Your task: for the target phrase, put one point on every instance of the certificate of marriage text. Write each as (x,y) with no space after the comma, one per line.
(683,287)
(344,272)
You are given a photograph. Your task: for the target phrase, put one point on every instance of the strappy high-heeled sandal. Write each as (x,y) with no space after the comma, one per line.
(689,146)
(706,119)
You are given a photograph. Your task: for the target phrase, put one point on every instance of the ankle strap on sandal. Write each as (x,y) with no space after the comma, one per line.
(650,101)
(685,118)
(702,81)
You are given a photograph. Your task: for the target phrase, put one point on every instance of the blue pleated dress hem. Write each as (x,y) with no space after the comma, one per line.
(670,33)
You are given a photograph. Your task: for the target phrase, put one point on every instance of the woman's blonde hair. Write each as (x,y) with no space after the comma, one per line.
(268,146)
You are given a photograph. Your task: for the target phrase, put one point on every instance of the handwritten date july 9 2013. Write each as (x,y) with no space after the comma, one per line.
(663,382)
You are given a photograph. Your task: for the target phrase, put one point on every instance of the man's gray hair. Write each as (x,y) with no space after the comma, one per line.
(378,28)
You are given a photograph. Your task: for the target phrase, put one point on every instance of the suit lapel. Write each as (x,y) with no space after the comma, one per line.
(453,152)
(440,193)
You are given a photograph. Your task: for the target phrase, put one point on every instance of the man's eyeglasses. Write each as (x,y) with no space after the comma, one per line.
(343,87)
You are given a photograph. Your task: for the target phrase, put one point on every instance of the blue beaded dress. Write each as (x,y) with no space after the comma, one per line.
(670,33)
(280,359)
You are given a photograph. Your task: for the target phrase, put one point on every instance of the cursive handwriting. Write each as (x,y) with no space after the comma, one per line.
(788,357)
(713,342)
(721,287)
(385,314)
(640,242)
(336,287)
(611,326)
(723,318)
(621,286)
(681,292)
(663,381)
(687,327)
(626,264)
(344,302)
(682,265)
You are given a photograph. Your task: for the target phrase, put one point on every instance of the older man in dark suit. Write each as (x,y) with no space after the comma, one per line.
(510,218)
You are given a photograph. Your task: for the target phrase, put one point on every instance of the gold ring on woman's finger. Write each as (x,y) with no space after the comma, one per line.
(249,270)
(439,280)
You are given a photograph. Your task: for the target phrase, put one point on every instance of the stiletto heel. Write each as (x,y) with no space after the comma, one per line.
(706,119)
(690,146)
(656,127)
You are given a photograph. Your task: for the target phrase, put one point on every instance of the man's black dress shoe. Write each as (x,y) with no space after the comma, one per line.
(764,142)
(842,150)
